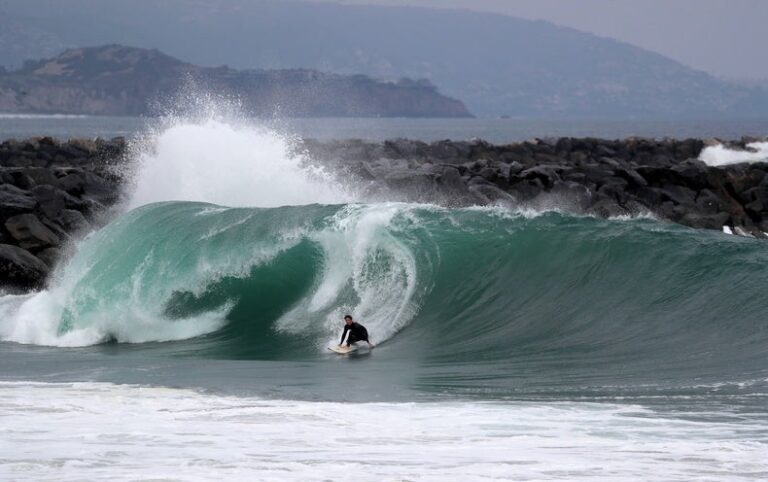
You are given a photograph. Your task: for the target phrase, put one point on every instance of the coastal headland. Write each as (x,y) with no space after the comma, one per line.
(52,192)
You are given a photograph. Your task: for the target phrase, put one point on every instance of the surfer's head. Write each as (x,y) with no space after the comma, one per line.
(348,319)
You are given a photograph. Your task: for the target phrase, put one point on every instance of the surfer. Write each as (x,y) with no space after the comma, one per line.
(357,332)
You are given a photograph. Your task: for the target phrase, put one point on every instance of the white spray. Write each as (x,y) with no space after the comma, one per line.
(720,155)
(227,163)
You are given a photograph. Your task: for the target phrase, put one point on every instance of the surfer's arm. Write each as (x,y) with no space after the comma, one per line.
(346,329)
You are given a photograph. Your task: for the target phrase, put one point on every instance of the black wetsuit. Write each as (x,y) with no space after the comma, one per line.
(357,332)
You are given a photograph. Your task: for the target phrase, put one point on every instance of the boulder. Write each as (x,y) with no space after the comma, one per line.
(30,232)
(16,177)
(546,174)
(51,201)
(708,202)
(15,201)
(615,190)
(631,176)
(607,208)
(691,173)
(678,194)
(50,256)
(20,270)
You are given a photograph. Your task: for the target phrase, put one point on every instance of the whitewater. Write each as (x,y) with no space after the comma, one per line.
(186,339)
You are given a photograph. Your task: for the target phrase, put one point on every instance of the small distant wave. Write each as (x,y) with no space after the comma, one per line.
(721,155)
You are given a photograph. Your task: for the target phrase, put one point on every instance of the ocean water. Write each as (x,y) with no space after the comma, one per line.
(187,339)
(22,126)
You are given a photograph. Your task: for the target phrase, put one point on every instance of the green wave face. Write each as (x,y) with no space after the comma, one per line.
(449,286)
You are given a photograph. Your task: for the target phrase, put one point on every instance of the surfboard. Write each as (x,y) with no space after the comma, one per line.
(342,350)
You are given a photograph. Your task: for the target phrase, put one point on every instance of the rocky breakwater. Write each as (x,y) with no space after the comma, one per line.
(50,192)
(593,176)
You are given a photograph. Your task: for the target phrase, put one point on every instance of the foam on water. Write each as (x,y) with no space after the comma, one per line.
(720,155)
(99,431)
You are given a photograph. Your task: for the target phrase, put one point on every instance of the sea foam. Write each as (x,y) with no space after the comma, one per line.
(81,432)
(720,155)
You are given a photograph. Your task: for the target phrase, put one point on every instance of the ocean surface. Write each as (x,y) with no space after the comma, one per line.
(187,339)
(22,126)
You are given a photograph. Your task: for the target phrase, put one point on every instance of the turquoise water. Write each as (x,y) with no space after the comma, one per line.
(474,302)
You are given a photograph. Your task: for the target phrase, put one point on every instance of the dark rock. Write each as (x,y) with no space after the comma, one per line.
(616,190)
(546,174)
(691,173)
(527,190)
(596,174)
(631,176)
(30,232)
(604,151)
(72,183)
(755,208)
(51,201)
(50,256)
(678,194)
(15,201)
(17,178)
(708,202)
(489,174)
(20,270)
(607,208)
(514,168)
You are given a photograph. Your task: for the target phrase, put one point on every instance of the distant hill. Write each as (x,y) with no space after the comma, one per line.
(118,80)
(497,64)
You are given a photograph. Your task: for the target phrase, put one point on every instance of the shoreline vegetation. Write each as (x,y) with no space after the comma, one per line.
(53,192)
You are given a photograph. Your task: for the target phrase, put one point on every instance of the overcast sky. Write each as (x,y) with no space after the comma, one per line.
(727,38)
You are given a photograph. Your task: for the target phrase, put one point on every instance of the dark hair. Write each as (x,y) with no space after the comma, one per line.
(347,316)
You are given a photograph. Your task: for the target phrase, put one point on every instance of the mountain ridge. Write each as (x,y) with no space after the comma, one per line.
(497,64)
(119,80)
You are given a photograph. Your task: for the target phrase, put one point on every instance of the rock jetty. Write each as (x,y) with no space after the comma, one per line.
(594,176)
(52,192)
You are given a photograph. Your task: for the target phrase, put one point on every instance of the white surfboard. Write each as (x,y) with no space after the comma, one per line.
(342,350)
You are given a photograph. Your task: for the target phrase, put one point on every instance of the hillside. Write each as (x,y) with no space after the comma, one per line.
(497,64)
(117,80)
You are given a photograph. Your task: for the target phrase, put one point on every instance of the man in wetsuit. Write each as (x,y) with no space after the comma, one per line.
(357,332)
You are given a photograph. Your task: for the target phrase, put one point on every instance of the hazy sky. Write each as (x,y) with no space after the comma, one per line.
(727,38)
